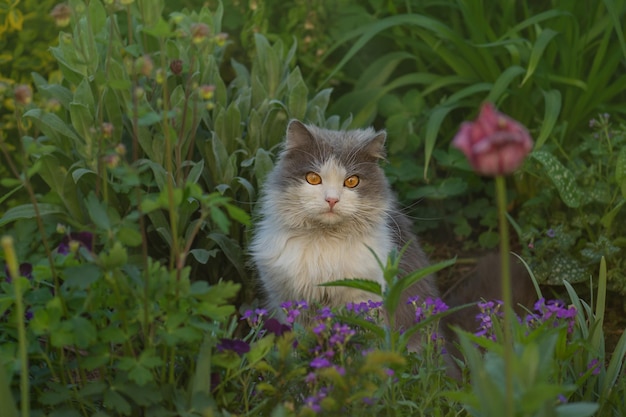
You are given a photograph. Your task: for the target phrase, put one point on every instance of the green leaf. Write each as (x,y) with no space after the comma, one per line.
(358,283)
(263,165)
(537,52)
(581,409)
(51,125)
(97,211)
(394,293)
(203,255)
(114,401)
(552,110)
(81,277)
(27,211)
(561,177)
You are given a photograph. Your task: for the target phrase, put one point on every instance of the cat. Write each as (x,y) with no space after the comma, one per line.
(325,207)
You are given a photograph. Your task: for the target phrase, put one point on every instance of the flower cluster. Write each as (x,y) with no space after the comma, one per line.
(428,308)
(554,310)
(488,311)
(293,309)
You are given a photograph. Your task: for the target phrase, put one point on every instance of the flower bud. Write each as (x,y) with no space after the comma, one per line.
(199,32)
(494,143)
(23,94)
(206,91)
(107,130)
(61,13)
(144,65)
(176,66)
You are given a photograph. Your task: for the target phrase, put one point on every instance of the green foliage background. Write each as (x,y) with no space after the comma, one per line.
(153,131)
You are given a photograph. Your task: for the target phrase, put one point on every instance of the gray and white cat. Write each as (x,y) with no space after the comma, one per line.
(325,207)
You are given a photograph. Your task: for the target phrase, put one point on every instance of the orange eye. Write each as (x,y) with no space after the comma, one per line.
(313,178)
(351,181)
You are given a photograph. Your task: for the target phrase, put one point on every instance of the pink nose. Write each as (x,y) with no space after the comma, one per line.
(332,201)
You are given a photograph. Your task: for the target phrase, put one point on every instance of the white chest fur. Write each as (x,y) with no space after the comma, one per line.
(292,266)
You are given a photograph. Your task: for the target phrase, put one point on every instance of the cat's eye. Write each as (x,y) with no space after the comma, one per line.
(313,178)
(352,181)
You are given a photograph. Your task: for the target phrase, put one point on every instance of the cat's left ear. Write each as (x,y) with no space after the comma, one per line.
(376,145)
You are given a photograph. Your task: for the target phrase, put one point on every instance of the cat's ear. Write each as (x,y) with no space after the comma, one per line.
(298,135)
(376,146)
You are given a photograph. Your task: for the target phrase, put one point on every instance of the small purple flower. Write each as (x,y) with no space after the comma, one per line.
(551,233)
(319,328)
(324,314)
(320,362)
(369,400)
(341,334)
(562,399)
(310,378)
(292,309)
(595,366)
(238,346)
(84,239)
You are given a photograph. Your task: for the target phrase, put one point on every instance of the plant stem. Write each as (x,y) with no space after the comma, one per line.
(14,270)
(507,297)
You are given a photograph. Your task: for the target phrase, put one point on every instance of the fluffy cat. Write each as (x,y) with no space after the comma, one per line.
(325,207)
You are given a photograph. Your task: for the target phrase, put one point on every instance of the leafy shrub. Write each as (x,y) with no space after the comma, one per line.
(571,218)
(26,33)
(131,224)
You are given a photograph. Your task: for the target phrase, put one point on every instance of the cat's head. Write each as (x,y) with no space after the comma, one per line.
(329,179)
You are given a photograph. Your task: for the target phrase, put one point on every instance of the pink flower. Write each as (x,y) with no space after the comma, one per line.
(494,143)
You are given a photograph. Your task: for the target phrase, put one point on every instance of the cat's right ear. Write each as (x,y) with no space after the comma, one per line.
(298,135)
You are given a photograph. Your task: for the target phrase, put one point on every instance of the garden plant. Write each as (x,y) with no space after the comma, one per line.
(134,142)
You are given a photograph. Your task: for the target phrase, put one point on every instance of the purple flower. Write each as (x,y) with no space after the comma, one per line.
(553,309)
(595,365)
(292,309)
(320,362)
(488,309)
(551,233)
(276,327)
(26,270)
(494,143)
(341,334)
(430,307)
(84,239)
(324,314)
(238,346)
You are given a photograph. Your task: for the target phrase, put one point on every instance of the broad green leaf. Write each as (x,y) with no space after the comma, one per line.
(561,177)
(97,211)
(579,409)
(51,125)
(81,277)
(27,211)
(263,164)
